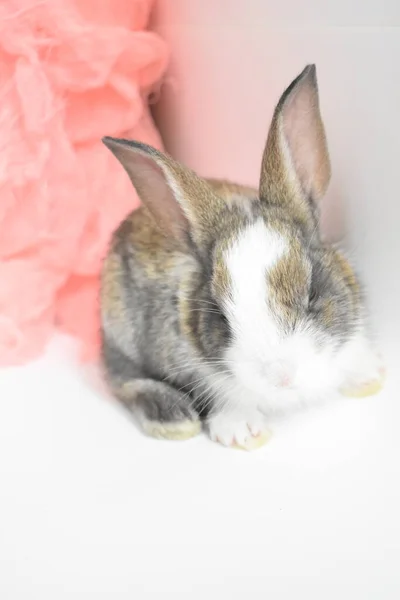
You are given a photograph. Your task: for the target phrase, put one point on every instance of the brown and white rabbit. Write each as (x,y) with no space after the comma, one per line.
(220,303)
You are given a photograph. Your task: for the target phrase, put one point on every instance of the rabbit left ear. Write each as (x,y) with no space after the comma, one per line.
(295,165)
(182,204)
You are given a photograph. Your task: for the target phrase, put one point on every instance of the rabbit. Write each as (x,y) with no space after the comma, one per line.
(221,304)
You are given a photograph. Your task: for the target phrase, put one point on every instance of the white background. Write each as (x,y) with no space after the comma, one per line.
(89,508)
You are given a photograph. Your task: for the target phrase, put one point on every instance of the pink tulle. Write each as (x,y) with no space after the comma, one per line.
(70,73)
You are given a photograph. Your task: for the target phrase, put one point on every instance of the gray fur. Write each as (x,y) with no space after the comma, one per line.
(148,362)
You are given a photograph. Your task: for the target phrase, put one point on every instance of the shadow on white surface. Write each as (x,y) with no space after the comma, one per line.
(90,508)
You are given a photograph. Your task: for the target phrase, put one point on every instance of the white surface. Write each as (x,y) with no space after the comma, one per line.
(89,508)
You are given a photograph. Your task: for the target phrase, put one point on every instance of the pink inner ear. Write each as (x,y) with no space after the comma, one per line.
(154,190)
(305,136)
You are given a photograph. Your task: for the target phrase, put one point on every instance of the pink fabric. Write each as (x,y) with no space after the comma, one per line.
(70,72)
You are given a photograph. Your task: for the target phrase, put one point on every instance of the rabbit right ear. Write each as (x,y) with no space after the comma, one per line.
(295,168)
(182,204)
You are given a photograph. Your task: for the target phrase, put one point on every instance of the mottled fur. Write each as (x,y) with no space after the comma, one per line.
(215,296)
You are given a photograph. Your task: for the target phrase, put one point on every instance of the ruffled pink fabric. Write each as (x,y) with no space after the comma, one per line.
(70,73)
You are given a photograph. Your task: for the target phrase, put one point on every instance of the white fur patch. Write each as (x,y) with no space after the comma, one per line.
(256,334)
(248,261)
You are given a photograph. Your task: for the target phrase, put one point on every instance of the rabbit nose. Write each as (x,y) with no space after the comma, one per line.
(283,374)
(285,380)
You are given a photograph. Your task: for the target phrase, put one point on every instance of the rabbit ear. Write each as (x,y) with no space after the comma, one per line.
(295,165)
(182,204)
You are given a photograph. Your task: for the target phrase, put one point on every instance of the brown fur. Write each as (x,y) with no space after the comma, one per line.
(155,252)
(111,300)
(234,193)
(289,282)
(347,272)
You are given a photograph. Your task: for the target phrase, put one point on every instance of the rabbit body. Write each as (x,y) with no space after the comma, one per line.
(220,304)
